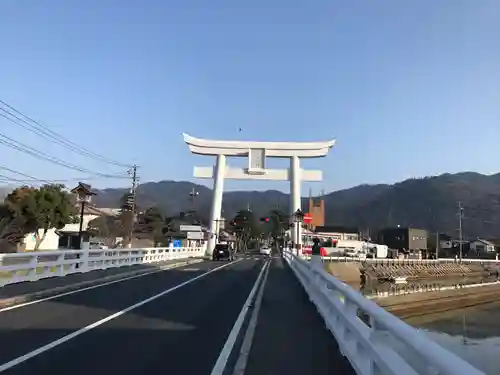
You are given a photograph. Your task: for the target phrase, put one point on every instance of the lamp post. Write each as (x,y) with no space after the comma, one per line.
(83,194)
(298,218)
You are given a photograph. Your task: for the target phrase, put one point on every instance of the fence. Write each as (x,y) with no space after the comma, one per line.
(32,266)
(391,261)
(375,341)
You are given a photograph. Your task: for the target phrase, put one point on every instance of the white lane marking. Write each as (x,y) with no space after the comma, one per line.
(85,289)
(62,340)
(221,362)
(241,362)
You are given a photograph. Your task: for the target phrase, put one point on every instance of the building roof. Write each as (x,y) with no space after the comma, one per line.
(388,229)
(495,241)
(335,229)
(109,211)
(486,242)
(83,187)
(90,210)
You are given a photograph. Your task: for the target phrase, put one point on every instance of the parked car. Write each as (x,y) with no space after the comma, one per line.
(222,251)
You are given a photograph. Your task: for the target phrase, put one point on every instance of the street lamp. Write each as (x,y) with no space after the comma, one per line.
(298,218)
(83,196)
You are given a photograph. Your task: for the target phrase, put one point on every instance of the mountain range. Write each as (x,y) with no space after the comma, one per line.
(429,203)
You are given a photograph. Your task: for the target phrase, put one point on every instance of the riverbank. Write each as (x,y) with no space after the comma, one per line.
(429,303)
(364,272)
(422,271)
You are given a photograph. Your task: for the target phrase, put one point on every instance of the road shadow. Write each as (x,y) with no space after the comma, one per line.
(182,331)
(29,287)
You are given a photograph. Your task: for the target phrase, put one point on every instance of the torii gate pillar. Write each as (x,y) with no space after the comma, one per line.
(256,152)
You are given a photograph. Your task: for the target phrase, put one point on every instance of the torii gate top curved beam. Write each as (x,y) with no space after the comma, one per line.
(273,149)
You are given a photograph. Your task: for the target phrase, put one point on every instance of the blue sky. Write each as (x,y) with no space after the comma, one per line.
(401,85)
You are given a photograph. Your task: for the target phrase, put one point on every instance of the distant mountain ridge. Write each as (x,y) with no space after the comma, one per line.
(429,203)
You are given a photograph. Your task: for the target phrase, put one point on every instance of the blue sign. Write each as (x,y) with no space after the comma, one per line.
(177,243)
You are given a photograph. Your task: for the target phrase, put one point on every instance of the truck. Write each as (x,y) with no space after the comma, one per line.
(377,251)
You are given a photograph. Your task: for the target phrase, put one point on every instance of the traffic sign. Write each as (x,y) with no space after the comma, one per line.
(308,218)
(190,228)
(195,235)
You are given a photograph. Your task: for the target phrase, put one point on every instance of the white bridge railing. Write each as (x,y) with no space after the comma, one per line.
(334,258)
(374,341)
(32,266)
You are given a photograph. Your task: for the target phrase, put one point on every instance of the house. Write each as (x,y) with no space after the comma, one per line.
(445,242)
(482,246)
(337,232)
(496,243)
(411,240)
(68,236)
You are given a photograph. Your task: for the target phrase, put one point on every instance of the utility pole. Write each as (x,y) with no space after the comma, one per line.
(437,245)
(460,217)
(133,194)
(133,172)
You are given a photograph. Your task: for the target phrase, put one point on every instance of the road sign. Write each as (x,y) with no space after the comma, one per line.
(195,235)
(177,243)
(190,228)
(308,218)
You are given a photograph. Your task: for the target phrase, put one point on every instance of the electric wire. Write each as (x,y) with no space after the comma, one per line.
(45,132)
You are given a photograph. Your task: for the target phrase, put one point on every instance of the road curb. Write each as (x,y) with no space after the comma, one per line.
(6,302)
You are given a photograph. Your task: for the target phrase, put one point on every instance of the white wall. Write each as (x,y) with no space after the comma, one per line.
(51,241)
(76,227)
(480,246)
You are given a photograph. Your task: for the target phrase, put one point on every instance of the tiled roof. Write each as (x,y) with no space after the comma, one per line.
(89,210)
(486,242)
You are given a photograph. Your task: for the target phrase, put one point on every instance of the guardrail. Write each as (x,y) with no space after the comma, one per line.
(32,266)
(374,341)
(333,258)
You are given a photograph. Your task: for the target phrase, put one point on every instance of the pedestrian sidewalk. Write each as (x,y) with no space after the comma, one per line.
(290,336)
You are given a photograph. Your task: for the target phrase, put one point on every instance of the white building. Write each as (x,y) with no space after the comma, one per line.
(482,246)
(67,237)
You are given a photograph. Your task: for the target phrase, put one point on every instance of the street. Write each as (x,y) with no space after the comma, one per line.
(220,318)
(182,331)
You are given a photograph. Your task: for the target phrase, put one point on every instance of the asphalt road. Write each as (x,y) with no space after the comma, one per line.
(26,288)
(180,331)
(245,317)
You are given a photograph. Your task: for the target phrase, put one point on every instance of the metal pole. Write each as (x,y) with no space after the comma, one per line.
(297,237)
(437,245)
(81,225)
(460,214)
(133,191)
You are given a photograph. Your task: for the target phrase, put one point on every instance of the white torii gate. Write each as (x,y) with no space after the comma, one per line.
(256,152)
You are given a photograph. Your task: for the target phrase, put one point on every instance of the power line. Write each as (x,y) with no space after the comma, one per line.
(45,132)
(81,179)
(9,179)
(12,143)
(23,174)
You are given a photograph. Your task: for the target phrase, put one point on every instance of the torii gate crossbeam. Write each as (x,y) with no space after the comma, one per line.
(256,152)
